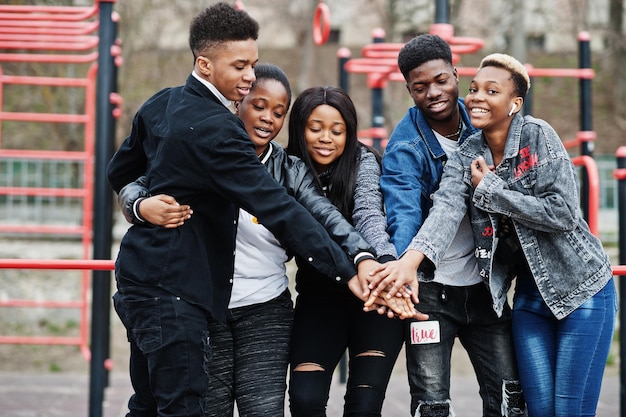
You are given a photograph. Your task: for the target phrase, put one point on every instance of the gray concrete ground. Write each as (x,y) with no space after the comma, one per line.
(67,394)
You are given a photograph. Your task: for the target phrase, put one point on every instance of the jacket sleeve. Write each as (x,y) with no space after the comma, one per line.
(450,203)
(340,230)
(368,215)
(129,162)
(402,188)
(545,197)
(129,195)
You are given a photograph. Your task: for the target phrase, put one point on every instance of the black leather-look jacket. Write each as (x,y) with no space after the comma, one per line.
(293,174)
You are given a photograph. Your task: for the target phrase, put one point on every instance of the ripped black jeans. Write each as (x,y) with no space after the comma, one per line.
(466,313)
(325,325)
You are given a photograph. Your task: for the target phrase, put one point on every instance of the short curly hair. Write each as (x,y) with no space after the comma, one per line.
(519,74)
(421,49)
(220,23)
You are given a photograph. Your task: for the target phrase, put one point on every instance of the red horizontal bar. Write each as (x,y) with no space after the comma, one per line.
(619,270)
(57,230)
(372,132)
(93,264)
(46,37)
(51,28)
(47,9)
(48,155)
(50,58)
(584,73)
(44,117)
(51,45)
(619,174)
(43,303)
(44,192)
(57,13)
(40,340)
(52,81)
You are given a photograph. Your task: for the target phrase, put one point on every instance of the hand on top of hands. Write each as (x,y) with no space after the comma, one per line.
(386,299)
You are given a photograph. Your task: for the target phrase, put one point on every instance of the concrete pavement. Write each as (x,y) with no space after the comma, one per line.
(67,394)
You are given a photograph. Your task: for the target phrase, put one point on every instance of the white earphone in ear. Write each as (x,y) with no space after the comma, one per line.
(511,111)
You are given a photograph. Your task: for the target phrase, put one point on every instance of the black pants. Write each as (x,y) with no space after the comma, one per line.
(249,358)
(324,327)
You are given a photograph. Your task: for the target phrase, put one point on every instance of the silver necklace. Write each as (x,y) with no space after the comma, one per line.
(458,130)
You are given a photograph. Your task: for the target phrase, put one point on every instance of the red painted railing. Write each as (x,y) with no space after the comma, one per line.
(54,35)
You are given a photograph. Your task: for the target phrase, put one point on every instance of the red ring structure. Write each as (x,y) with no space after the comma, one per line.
(321,24)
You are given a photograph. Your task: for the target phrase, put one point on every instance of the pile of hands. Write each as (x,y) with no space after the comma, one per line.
(390,288)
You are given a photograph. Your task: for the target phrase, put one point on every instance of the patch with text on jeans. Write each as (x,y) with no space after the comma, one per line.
(425,332)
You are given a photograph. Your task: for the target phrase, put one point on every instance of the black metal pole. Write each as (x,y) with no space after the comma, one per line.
(585,115)
(528,101)
(621,208)
(442,11)
(343,56)
(378,116)
(103,209)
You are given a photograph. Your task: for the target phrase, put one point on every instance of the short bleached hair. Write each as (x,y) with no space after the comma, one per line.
(521,80)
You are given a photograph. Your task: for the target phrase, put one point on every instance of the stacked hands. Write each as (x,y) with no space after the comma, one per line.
(391,288)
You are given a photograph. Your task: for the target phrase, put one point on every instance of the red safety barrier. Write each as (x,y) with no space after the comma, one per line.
(589,164)
(67,264)
(55,35)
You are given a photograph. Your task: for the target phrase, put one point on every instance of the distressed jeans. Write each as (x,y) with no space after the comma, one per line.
(466,313)
(324,326)
(561,362)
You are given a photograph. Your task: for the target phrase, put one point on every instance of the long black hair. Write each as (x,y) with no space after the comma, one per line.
(342,177)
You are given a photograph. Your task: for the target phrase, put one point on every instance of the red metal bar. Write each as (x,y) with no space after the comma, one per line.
(581,136)
(44,191)
(91,264)
(619,270)
(590,165)
(619,173)
(44,229)
(46,155)
(54,13)
(51,28)
(48,81)
(45,37)
(50,46)
(51,58)
(42,340)
(42,303)
(44,117)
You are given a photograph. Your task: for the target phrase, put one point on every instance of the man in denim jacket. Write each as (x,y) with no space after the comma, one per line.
(455,297)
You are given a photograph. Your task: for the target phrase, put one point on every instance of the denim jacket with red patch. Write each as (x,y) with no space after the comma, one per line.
(536,186)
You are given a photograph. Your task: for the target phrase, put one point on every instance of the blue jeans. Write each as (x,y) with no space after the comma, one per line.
(168,348)
(250,354)
(561,362)
(466,313)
